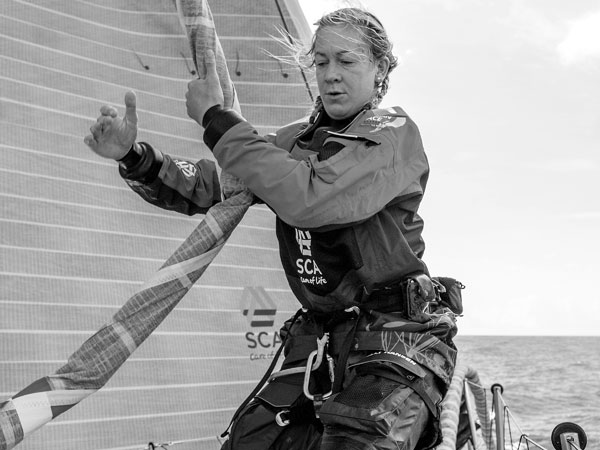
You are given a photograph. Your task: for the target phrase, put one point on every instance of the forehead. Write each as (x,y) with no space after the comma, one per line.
(332,40)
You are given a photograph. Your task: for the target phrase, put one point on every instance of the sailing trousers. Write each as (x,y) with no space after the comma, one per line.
(371,413)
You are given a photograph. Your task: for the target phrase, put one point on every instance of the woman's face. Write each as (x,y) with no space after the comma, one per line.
(345,72)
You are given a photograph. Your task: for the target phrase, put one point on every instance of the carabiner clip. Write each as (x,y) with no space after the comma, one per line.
(310,368)
(280,420)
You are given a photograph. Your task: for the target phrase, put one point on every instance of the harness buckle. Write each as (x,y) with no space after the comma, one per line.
(281,420)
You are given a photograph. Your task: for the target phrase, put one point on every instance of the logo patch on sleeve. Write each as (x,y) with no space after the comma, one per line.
(187,168)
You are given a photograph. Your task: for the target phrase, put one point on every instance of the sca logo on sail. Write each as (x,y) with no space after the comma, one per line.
(259,309)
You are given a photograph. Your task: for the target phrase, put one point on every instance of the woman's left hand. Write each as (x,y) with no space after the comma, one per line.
(204,93)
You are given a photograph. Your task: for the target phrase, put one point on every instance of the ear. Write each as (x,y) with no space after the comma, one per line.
(383,65)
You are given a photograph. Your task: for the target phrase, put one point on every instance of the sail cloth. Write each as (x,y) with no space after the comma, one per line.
(93,364)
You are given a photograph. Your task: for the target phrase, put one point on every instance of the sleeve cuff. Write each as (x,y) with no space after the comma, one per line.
(216,122)
(142,163)
(132,157)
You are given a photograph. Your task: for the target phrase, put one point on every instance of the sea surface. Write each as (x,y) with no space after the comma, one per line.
(546,380)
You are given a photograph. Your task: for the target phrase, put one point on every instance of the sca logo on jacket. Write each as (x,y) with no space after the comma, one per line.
(306,265)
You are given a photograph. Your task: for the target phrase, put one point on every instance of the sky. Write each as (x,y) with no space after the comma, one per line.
(506,95)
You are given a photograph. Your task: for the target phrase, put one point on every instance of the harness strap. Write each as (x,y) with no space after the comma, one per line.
(345,338)
(263,380)
(391,298)
(301,346)
(340,367)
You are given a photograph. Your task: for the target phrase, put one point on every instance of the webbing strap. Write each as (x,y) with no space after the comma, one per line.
(263,380)
(302,345)
(340,367)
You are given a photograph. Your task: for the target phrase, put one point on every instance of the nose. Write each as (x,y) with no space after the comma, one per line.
(332,74)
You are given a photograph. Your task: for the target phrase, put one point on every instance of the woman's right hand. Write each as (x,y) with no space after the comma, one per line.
(112,136)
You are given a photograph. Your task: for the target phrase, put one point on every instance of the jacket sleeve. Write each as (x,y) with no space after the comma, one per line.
(349,187)
(173,184)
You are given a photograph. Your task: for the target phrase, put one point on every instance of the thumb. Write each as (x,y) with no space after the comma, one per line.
(210,64)
(130,108)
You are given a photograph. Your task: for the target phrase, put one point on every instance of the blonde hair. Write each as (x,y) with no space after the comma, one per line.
(369,28)
(372,33)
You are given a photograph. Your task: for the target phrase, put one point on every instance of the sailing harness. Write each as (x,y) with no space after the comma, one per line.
(314,362)
(323,373)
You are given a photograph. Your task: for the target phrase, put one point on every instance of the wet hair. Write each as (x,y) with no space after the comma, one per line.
(373,34)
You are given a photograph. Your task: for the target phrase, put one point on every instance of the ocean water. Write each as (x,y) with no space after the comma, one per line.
(546,380)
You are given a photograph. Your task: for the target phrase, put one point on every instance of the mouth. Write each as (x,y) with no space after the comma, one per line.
(334,94)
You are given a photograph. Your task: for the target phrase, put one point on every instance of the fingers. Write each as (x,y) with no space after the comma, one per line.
(204,92)
(130,108)
(98,130)
(111,136)
(90,141)
(102,123)
(108,111)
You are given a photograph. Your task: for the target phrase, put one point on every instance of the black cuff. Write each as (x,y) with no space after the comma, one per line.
(216,122)
(132,157)
(210,114)
(141,163)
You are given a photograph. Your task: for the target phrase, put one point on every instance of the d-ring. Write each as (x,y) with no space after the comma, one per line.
(280,420)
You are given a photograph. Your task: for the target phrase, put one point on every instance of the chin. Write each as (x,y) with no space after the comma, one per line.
(337,114)
(337,111)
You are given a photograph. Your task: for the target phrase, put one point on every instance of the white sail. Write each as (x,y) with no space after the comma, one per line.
(76,243)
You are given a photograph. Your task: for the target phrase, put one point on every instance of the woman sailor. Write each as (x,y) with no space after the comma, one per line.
(345,185)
